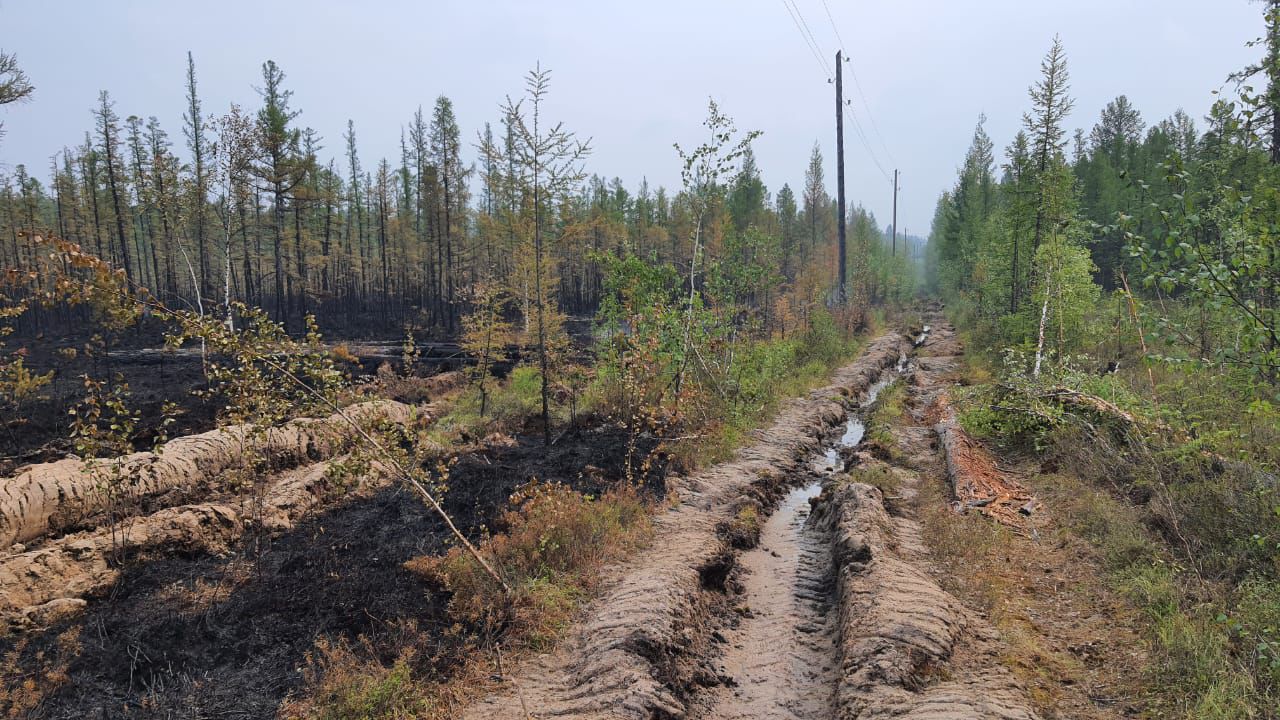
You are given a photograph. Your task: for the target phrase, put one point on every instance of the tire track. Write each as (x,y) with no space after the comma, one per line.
(647,648)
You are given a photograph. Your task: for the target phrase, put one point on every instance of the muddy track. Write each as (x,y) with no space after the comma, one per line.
(829,611)
(908,648)
(652,646)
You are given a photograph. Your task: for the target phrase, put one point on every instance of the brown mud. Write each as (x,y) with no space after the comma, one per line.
(908,648)
(829,612)
(654,645)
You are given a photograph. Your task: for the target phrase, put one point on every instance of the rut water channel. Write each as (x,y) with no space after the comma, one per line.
(782,661)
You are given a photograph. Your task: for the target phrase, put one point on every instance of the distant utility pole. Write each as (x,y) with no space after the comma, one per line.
(841,294)
(895,211)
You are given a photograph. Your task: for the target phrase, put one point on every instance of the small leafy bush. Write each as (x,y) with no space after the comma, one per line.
(552,538)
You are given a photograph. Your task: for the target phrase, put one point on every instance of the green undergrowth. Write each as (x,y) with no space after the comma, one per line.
(1172,477)
(1212,643)
(880,477)
(885,413)
(551,543)
(769,373)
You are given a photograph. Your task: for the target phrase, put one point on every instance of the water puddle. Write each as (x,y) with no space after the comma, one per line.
(854,427)
(924,335)
(783,660)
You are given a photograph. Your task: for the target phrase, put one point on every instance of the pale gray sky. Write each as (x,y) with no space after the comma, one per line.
(634,76)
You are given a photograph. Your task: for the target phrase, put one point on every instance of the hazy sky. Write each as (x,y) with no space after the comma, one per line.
(634,76)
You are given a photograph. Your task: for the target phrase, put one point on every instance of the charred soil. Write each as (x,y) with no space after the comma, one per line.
(227,634)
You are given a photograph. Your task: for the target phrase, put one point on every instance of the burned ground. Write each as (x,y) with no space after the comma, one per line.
(227,635)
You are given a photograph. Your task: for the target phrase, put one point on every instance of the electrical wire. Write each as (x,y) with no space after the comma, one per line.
(813,38)
(857,84)
(815,48)
(817,54)
(862,137)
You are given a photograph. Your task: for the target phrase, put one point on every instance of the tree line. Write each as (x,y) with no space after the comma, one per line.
(249,210)
(1166,213)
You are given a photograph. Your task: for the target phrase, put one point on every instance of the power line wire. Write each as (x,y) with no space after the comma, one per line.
(815,48)
(867,106)
(817,54)
(812,37)
(875,127)
(862,136)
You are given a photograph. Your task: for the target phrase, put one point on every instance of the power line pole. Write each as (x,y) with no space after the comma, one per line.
(895,211)
(841,294)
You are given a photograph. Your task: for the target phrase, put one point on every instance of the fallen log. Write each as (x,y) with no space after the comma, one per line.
(1104,409)
(975,481)
(47,497)
(1097,405)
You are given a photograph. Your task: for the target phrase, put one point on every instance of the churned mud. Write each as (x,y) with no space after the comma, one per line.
(782,660)
(660,643)
(779,663)
(908,649)
(829,608)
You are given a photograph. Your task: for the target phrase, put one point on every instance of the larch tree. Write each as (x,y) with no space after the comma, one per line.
(164,180)
(451,174)
(194,129)
(548,161)
(1055,267)
(815,195)
(1120,127)
(109,142)
(355,210)
(1044,125)
(785,207)
(279,168)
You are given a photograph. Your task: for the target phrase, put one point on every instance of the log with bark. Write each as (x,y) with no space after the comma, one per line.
(975,481)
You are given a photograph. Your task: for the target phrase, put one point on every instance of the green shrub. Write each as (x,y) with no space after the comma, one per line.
(553,539)
(346,682)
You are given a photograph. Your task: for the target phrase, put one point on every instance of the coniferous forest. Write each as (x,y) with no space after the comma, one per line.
(482,430)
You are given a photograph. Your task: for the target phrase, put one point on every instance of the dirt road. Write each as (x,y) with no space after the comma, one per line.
(827,611)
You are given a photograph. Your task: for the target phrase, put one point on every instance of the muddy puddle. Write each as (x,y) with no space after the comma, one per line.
(782,658)
(854,428)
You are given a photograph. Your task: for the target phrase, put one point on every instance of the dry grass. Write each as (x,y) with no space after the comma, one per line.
(553,543)
(356,681)
(28,681)
(1073,640)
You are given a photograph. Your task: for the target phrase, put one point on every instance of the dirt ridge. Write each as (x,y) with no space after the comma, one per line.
(41,499)
(41,586)
(908,648)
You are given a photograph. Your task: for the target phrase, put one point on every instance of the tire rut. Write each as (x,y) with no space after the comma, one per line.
(649,647)
(908,648)
(834,614)
(782,658)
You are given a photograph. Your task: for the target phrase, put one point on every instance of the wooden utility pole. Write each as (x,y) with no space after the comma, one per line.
(841,295)
(895,211)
